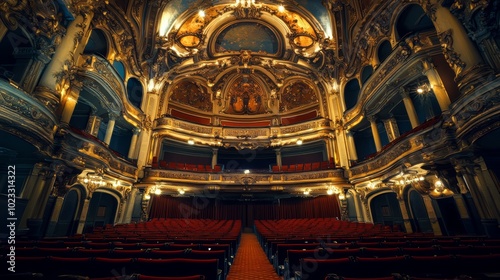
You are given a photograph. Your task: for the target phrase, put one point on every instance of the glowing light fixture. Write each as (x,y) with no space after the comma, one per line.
(307,191)
(181,191)
(201,13)
(246,171)
(147,196)
(281,8)
(329,191)
(191,142)
(299,142)
(157,191)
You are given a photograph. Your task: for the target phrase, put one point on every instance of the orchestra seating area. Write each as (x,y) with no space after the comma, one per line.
(176,248)
(333,249)
(299,249)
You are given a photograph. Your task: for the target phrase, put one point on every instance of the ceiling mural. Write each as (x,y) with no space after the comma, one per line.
(296,95)
(190,94)
(251,36)
(246,97)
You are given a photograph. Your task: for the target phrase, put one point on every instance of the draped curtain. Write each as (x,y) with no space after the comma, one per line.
(164,206)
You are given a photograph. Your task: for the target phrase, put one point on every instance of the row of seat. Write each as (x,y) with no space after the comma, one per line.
(293,257)
(40,276)
(299,167)
(53,267)
(224,260)
(184,166)
(449,266)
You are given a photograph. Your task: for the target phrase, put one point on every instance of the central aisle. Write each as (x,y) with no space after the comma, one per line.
(251,261)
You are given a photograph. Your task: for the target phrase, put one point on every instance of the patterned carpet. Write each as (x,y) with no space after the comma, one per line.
(251,262)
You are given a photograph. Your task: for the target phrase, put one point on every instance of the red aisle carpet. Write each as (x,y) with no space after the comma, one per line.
(251,262)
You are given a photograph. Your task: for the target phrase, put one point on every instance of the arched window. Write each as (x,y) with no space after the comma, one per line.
(134,92)
(351,93)
(119,68)
(366,73)
(412,20)
(384,50)
(97,44)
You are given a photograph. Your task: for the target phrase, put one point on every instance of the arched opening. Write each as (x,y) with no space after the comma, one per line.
(97,44)
(412,20)
(17,54)
(448,216)
(384,50)
(134,92)
(67,222)
(421,221)
(385,210)
(102,211)
(120,69)
(351,93)
(366,73)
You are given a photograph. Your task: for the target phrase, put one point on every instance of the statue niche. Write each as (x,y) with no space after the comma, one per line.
(245,97)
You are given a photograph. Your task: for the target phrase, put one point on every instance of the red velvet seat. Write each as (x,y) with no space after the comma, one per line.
(178,267)
(105,267)
(307,166)
(166,254)
(275,168)
(126,253)
(311,268)
(194,277)
(163,164)
(63,266)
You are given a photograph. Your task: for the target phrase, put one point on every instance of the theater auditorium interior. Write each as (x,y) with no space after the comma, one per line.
(250,139)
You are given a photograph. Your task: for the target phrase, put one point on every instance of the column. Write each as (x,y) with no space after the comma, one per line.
(214,156)
(110,128)
(54,79)
(41,59)
(70,101)
(464,213)
(436,84)
(432,215)
(279,161)
(458,49)
(488,187)
(404,213)
(32,190)
(410,109)
(376,136)
(353,155)
(3,30)
(465,169)
(129,209)
(391,126)
(93,124)
(133,143)
(51,229)
(83,216)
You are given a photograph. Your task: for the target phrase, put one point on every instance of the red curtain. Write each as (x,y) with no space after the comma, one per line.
(212,208)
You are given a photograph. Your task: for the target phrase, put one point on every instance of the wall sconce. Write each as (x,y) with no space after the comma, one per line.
(190,142)
(147,196)
(307,191)
(157,191)
(299,142)
(281,8)
(422,89)
(439,186)
(181,191)
(341,196)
